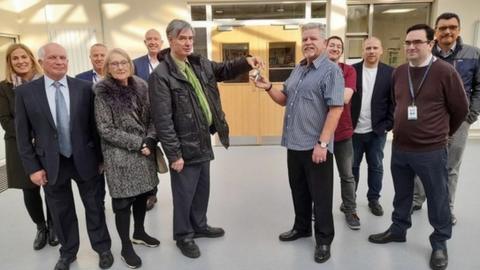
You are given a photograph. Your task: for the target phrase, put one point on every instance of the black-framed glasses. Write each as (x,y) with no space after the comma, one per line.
(449,27)
(415,42)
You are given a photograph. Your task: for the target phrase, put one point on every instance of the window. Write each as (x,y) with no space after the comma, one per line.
(198,13)
(200,41)
(232,51)
(281,59)
(319,10)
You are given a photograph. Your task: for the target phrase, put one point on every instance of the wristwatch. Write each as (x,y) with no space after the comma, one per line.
(322,144)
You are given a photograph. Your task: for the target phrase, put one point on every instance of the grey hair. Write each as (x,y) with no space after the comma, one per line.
(176,26)
(41,53)
(319,26)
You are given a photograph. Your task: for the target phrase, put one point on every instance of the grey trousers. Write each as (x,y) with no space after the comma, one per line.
(343,152)
(456,147)
(190,193)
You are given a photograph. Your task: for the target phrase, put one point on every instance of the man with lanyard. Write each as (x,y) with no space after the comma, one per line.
(430,104)
(144,66)
(466,60)
(313,98)
(98,52)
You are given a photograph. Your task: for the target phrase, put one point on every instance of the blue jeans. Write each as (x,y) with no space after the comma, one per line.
(372,145)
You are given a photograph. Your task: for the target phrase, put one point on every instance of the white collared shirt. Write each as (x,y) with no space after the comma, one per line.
(446,54)
(426,62)
(50,91)
(151,66)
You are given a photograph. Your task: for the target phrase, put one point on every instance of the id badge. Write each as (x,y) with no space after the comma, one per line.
(412,112)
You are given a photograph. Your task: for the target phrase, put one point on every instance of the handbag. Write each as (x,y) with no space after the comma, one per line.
(160,158)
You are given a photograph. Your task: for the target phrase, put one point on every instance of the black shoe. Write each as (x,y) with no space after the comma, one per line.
(293,235)
(385,237)
(105,260)
(64,263)
(144,239)
(151,201)
(209,232)
(322,253)
(375,208)
(416,207)
(130,258)
(453,219)
(439,259)
(52,238)
(40,239)
(188,248)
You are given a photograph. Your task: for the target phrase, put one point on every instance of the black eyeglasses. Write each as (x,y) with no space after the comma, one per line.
(415,42)
(449,27)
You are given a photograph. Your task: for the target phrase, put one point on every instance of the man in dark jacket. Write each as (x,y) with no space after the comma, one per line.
(186,110)
(372,118)
(466,61)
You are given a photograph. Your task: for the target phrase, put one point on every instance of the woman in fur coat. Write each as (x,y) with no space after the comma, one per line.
(122,112)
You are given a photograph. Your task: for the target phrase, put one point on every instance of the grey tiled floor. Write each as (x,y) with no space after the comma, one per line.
(251,199)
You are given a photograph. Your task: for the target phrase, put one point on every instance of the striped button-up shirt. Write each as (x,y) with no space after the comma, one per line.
(310,90)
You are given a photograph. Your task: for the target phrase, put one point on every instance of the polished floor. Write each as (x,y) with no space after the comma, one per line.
(250,198)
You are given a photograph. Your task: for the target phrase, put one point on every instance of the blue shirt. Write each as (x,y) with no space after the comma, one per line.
(50,90)
(310,91)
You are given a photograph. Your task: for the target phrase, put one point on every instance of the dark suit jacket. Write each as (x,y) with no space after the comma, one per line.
(87,75)
(37,134)
(141,67)
(381,104)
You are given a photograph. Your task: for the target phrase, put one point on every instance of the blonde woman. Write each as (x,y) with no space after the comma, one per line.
(21,67)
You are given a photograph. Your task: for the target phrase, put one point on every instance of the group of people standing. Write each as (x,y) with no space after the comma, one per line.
(106,125)
(428,103)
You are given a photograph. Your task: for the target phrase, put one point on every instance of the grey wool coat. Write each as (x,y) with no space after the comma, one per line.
(123,120)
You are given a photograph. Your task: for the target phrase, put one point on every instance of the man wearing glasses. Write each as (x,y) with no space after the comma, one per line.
(429,104)
(466,60)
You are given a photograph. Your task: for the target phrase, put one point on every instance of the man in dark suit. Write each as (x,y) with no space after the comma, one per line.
(57,142)
(372,118)
(145,65)
(98,52)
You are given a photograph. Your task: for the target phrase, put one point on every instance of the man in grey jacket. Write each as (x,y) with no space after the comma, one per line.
(466,60)
(186,110)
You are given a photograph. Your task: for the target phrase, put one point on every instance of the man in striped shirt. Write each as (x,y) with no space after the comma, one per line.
(313,97)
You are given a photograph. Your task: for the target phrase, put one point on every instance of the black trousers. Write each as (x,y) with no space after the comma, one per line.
(34,204)
(190,192)
(61,203)
(309,183)
(431,168)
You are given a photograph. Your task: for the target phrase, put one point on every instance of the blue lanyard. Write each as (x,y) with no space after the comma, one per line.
(410,84)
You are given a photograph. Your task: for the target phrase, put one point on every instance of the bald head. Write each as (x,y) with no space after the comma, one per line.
(153,41)
(53,59)
(372,51)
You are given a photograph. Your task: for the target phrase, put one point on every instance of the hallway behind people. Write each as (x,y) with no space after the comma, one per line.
(251,200)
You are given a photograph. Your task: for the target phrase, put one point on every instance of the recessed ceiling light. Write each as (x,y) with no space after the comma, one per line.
(398,10)
(219,11)
(280,10)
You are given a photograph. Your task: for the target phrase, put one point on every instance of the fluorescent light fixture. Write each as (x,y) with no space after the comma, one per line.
(398,10)
(219,11)
(290,27)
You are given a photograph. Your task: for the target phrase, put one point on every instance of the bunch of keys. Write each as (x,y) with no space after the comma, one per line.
(256,75)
